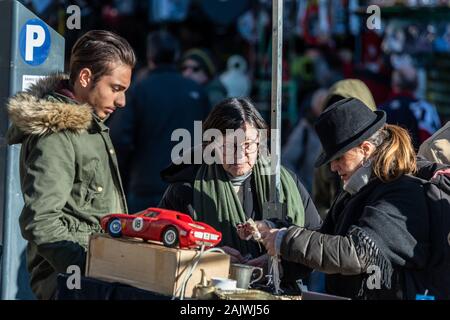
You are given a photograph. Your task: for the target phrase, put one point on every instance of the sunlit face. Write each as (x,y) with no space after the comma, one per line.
(192,70)
(108,93)
(348,163)
(243,156)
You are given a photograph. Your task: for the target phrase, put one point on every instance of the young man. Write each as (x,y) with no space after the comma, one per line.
(68,167)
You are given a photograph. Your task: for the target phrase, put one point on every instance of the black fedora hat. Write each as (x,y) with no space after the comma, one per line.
(345,125)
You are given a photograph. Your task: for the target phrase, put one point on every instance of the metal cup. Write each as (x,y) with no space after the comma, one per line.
(243,275)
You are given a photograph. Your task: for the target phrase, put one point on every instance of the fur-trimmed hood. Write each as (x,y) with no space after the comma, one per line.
(33,113)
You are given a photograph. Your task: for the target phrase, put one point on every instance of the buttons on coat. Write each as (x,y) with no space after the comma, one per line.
(111,151)
(99,189)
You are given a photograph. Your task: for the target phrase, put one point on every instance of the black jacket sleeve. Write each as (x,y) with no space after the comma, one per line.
(178,197)
(326,253)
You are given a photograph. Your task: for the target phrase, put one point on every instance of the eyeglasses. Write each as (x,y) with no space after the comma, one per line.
(194,69)
(249,147)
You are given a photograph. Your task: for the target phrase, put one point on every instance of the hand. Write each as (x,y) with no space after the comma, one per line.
(262,226)
(445,172)
(246,230)
(234,254)
(268,240)
(261,261)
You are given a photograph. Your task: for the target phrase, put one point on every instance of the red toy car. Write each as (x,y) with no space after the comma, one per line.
(172,228)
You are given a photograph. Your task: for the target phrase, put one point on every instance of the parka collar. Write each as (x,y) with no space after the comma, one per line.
(41,110)
(98,125)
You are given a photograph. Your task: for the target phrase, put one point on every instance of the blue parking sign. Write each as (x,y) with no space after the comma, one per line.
(34,42)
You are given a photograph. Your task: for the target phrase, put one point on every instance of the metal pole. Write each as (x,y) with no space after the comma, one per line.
(274,208)
(275,123)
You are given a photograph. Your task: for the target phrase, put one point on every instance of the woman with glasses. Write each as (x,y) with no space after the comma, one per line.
(227,194)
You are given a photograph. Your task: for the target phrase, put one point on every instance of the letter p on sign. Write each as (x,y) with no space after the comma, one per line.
(34,42)
(35,37)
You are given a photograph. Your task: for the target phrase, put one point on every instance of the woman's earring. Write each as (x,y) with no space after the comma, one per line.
(365,163)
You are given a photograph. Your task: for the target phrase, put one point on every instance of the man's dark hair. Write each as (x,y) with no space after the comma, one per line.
(98,50)
(162,48)
(232,114)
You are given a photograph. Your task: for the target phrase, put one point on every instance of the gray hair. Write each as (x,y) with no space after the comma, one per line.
(379,137)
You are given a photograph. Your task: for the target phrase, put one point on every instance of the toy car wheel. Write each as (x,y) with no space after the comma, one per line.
(115,228)
(170,237)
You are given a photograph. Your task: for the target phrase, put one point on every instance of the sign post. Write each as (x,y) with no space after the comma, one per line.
(30,50)
(274,208)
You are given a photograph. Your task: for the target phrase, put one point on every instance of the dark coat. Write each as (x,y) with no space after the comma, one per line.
(141,132)
(384,224)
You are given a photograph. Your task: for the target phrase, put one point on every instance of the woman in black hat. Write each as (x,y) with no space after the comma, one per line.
(374,240)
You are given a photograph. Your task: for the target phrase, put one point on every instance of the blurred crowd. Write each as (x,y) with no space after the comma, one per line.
(187,85)
(210,51)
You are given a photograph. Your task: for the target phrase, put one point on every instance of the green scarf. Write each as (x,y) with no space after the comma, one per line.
(217,204)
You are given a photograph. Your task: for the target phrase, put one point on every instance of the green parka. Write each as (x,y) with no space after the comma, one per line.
(69,179)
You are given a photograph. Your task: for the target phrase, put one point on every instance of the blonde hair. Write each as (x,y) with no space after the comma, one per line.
(394,155)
